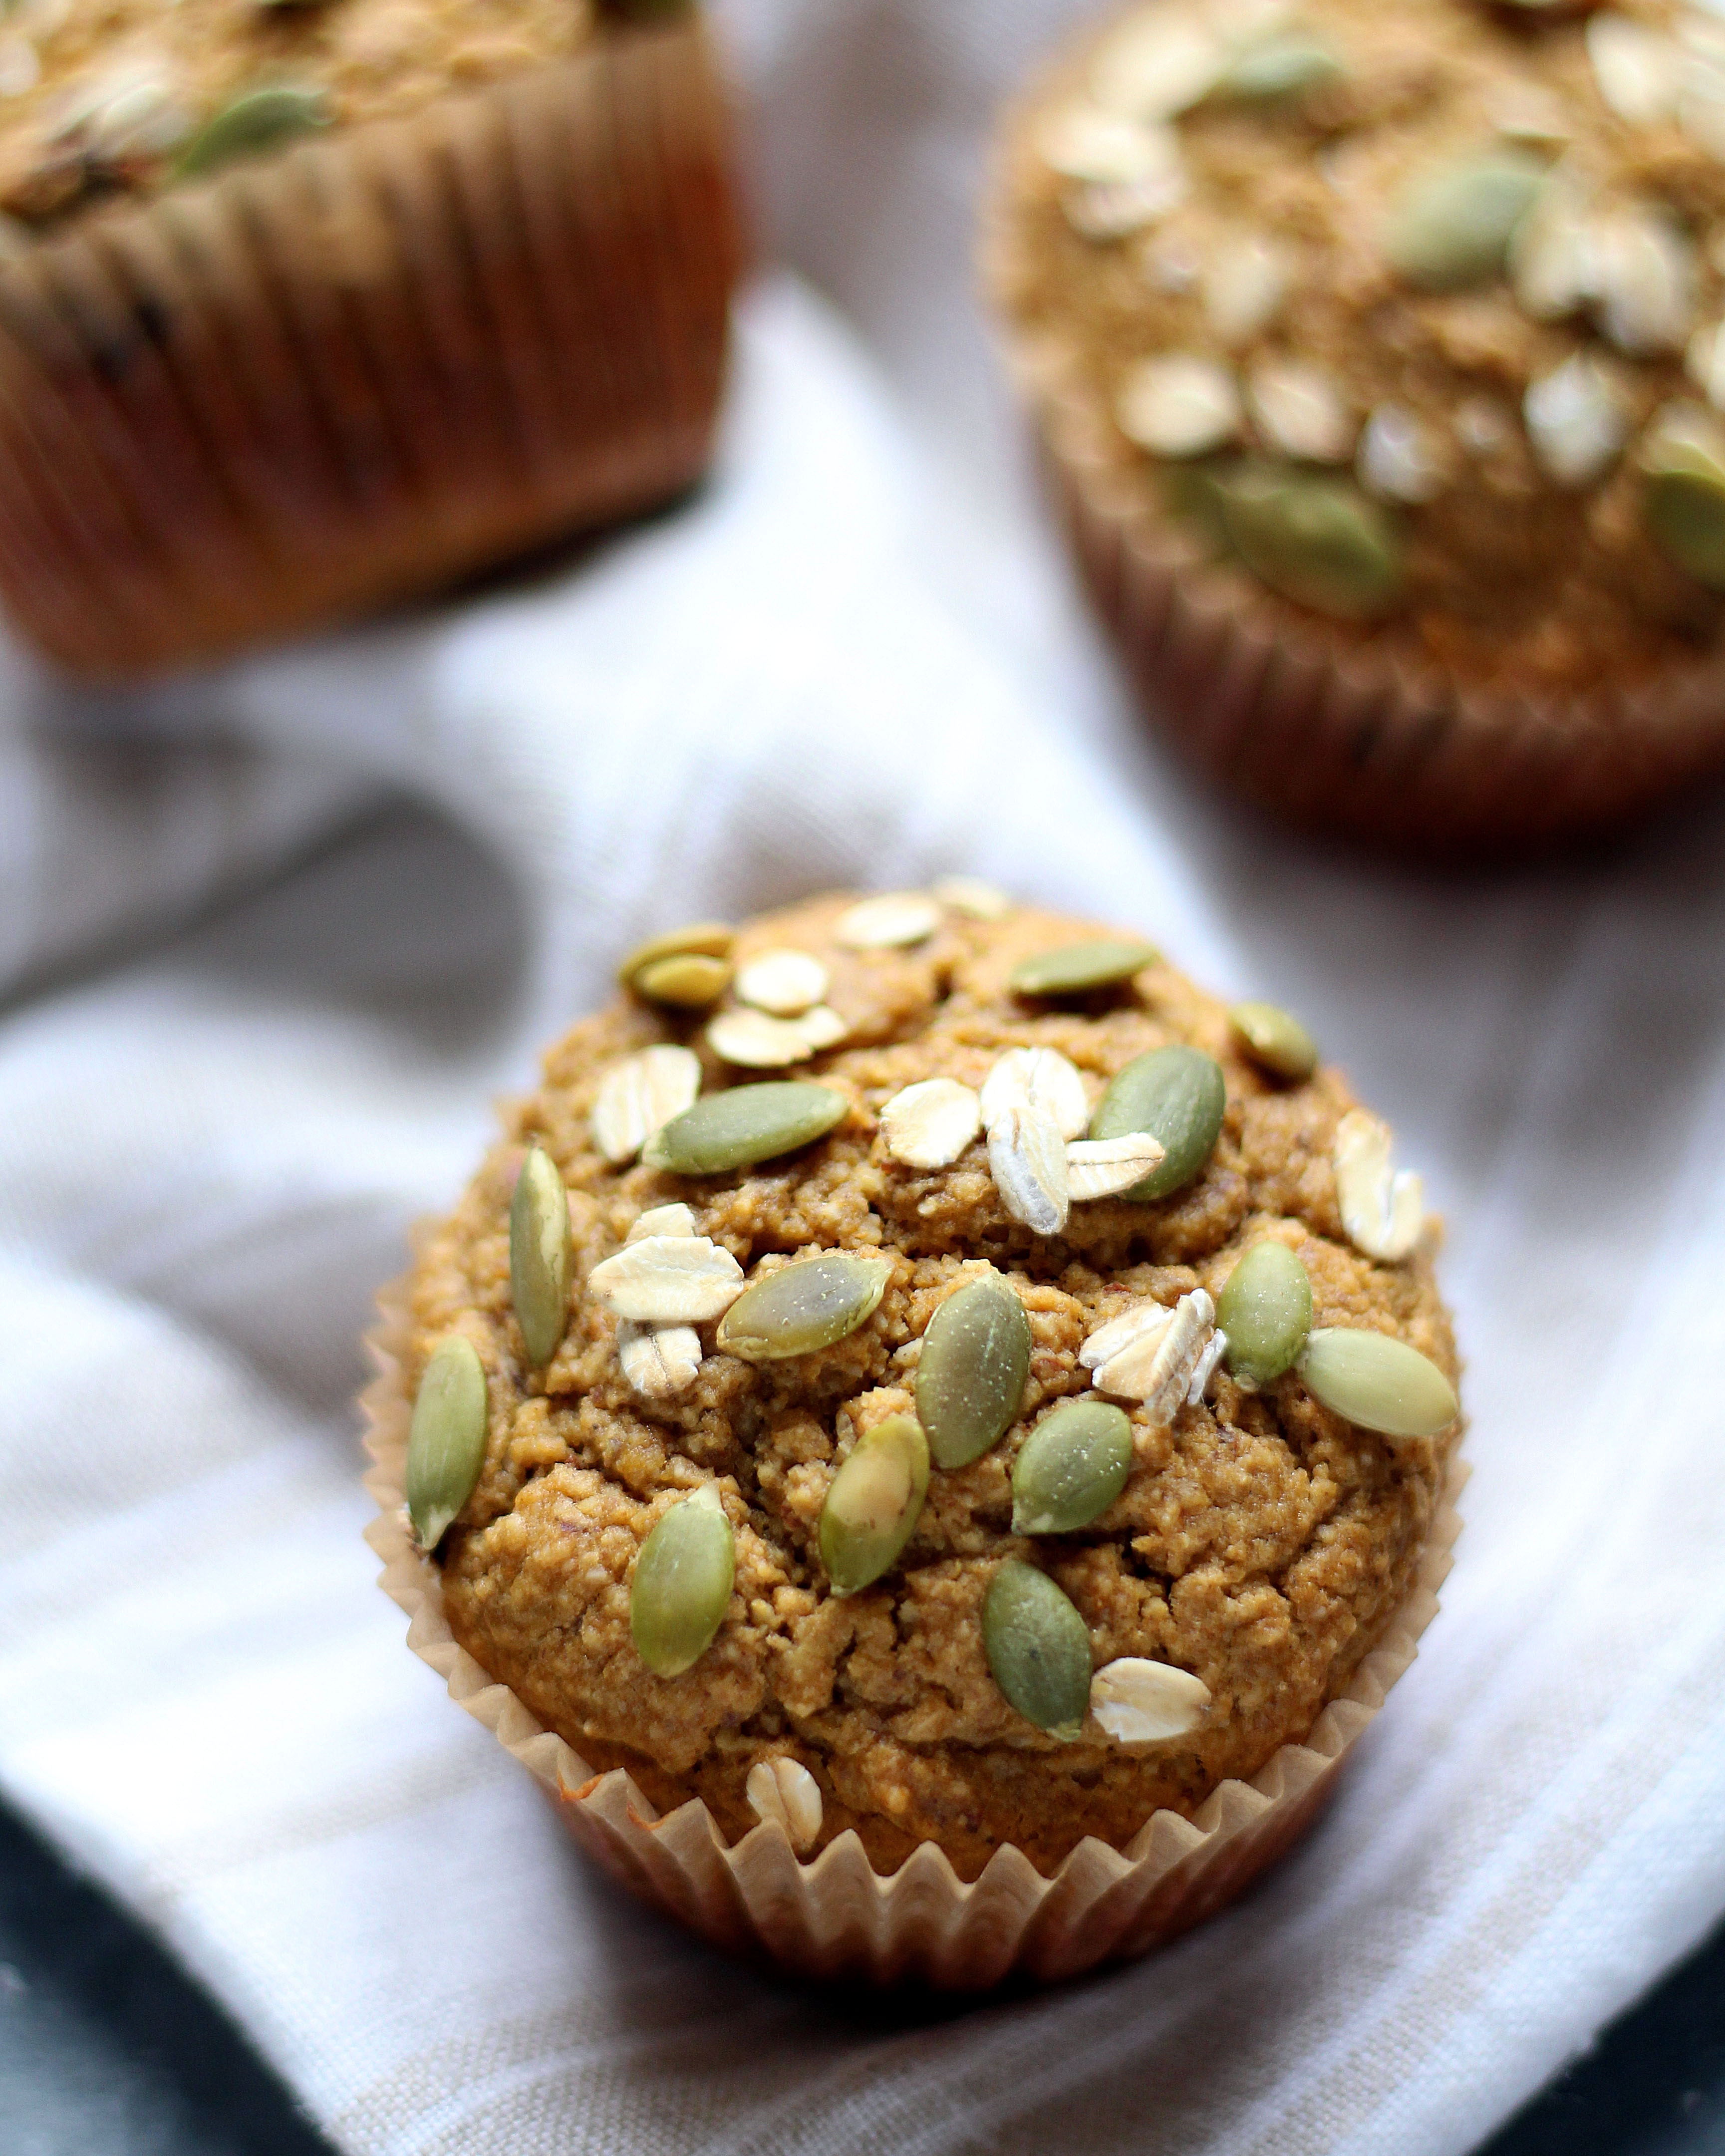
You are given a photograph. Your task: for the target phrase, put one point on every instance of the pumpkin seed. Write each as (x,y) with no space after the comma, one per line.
(970,1379)
(687,979)
(1274,1038)
(255,122)
(1682,462)
(1451,227)
(682,1585)
(748,1123)
(1038,1648)
(1071,1468)
(539,1255)
(1378,1381)
(873,1504)
(1265,1310)
(446,1439)
(1075,969)
(1177,1095)
(1281,67)
(804,1306)
(1318,540)
(709,939)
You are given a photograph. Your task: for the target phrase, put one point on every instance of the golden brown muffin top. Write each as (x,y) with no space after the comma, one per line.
(1259,1546)
(1408,313)
(105,98)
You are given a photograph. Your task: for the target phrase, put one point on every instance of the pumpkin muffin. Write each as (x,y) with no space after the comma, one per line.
(919,1368)
(305,308)
(1372,353)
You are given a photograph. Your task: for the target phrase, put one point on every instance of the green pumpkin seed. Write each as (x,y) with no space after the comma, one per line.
(1451,227)
(1281,67)
(970,1380)
(1071,1468)
(707,939)
(873,1503)
(255,122)
(1274,1038)
(1378,1381)
(681,1588)
(804,1306)
(743,1125)
(539,1255)
(1317,541)
(1178,1094)
(1038,1648)
(1076,968)
(1265,1310)
(688,979)
(1682,463)
(446,1439)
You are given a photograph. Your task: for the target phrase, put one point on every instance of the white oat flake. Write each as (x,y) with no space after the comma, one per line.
(1158,1364)
(1383,1208)
(1027,1156)
(928,1125)
(640,1096)
(1040,1078)
(1139,1701)
(668,1280)
(1103,1167)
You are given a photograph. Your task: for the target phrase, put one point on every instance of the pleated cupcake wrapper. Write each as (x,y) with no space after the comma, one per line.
(834,1916)
(1308,721)
(370,365)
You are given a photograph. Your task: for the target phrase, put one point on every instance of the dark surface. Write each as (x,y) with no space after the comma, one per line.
(107,2050)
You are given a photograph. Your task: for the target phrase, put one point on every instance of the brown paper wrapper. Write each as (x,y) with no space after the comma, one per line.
(834,1916)
(371,365)
(1340,734)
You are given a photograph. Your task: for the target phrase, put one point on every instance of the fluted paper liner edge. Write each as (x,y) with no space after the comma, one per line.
(834,1915)
(1308,720)
(371,364)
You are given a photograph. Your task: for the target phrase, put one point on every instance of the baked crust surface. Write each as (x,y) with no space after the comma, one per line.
(1261,1543)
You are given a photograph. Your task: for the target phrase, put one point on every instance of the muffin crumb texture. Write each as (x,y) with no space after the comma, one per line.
(1409,317)
(104,99)
(751,1374)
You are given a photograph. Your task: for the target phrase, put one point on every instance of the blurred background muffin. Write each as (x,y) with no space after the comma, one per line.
(304,308)
(1372,355)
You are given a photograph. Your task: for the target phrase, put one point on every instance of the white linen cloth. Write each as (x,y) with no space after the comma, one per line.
(225,1089)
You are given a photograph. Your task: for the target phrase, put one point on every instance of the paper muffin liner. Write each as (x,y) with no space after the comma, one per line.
(370,365)
(833,1915)
(1324,727)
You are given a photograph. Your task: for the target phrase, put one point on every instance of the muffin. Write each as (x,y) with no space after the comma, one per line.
(917,1384)
(1372,355)
(307,308)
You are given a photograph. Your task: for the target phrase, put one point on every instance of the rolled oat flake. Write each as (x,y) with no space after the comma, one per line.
(804,1306)
(682,1583)
(1038,1648)
(539,1255)
(1178,1096)
(873,1504)
(743,1125)
(1071,1468)
(975,1361)
(446,1439)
